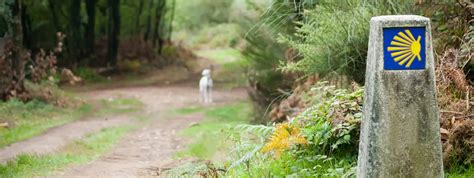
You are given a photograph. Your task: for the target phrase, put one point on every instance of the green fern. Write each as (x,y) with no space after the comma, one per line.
(332,39)
(260,130)
(247,156)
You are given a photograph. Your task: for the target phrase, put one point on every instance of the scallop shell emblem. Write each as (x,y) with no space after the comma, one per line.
(404,48)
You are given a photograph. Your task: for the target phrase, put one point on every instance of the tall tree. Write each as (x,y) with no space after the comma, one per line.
(148,21)
(90,27)
(74,41)
(12,76)
(157,33)
(52,5)
(113,31)
(137,17)
(26,27)
(17,35)
(170,29)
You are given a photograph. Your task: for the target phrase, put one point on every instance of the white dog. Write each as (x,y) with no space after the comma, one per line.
(205,86)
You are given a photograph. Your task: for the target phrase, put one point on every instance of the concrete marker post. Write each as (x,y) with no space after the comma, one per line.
(400,129)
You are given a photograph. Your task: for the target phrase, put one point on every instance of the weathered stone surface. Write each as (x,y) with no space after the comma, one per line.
(400,130)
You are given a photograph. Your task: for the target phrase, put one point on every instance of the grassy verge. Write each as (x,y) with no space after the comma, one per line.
(78,152)
(26,120)
(461,173)
(90,76)
(209,138)
(186,111)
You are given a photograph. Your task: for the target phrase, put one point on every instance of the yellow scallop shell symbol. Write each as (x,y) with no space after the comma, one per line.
(404,48)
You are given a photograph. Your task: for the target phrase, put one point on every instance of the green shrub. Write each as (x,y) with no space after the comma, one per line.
(264,54)
(333,38)
(169,51)
(192,15)
(89,75)
(263,21)
(129,65)
(330,127)
(50,93)
(211,36)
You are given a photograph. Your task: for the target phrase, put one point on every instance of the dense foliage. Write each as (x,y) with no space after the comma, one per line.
(192,15)
(87,22)
(263,22)
(321,141)
(86,33)
(334,35)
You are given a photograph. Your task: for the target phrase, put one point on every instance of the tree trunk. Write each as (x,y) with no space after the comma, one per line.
(74,42)
(17,35)
(15,86)
(52,7)
(113,31)
(157,34)
(148,21)
(90,28)
(103,11)
(170,30)
(158,16)
(26,27)
(137,18)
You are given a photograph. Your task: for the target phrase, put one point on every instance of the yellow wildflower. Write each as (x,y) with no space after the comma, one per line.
(283,138)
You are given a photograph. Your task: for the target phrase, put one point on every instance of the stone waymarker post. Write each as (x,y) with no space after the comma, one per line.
(400,130)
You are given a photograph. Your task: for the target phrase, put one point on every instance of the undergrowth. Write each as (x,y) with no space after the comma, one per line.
(317,142)
(328,43)
(321,141)
(89,75)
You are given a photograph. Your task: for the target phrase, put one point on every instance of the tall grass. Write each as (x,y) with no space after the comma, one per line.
(264,54)
(333,37)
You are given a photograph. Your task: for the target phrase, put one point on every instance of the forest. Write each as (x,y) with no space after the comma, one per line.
(111,88)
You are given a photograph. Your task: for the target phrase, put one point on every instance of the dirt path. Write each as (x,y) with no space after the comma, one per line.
(143,152)
(58,137)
